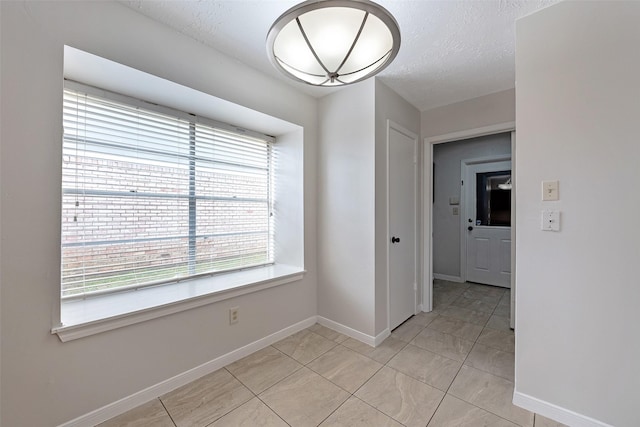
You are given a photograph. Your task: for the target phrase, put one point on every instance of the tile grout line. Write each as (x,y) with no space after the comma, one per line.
(272,410)
(167,411)
(460,368)
(475,341)
(304,365)
(455,376)
(463,364)
(354,393)
(235,407)
(384,365)
(376,409)
(339,386)
(255,394)
(452,381)
(435,388)
(362,385)
(407,343)
(499,349)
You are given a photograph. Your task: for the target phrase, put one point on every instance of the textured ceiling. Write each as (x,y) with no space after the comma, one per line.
(451,50)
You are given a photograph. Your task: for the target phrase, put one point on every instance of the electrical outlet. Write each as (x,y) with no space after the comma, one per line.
(234,313)
(550,220)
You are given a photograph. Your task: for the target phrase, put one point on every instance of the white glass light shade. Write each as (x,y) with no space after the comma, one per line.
(506,185)
(333,42)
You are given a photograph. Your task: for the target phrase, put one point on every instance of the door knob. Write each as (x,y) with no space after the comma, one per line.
(469,228)
(395,239)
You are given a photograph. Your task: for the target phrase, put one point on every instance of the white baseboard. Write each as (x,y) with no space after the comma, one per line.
(127,403)
(350,332)
(549,410)
(421,309)
(448,278)
(381,337)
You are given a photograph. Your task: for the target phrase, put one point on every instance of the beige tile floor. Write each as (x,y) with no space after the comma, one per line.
(451,367)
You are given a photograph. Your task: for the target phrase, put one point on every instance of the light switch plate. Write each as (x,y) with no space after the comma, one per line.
(550,220)
(550,190)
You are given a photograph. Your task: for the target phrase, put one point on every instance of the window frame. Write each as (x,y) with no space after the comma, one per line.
(194,122)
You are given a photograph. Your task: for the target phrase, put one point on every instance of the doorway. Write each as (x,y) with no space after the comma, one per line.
(454,209)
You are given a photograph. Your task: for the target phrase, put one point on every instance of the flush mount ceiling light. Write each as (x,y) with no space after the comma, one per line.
(333,42)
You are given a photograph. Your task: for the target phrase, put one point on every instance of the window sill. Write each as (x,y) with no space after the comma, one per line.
(81,318)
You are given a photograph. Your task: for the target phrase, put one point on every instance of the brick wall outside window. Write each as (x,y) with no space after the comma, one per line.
(129,216)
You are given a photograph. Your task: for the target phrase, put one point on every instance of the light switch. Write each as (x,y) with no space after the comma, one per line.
(456,210)
(551,220)
(550,190)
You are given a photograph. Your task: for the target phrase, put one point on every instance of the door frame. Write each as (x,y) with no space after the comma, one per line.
(464,163)
(427,206)
(406,132)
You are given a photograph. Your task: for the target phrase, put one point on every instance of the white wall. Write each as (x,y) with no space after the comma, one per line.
(346,203)
(478,112)
(446,226)
(289,218)
(1,285)
(389,106)
(352,188)
(46,382)
(578,104)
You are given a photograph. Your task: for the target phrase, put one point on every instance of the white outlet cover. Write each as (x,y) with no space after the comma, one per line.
(550,220)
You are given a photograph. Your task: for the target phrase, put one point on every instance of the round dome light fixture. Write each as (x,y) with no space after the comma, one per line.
(333,42)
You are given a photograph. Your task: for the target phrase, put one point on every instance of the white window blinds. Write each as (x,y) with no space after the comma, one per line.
(151,195)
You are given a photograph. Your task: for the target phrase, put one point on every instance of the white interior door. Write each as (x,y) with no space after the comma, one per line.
(487,223)
(402,238)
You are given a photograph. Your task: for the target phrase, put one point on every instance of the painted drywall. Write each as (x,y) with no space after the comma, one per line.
(289,219)
(346,203)
(1,287)
(389,106)
(352,210)
(447,159)
(65,380)
(474,113)
(577,109)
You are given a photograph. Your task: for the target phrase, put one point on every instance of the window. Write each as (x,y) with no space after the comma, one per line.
(493,199)
(164,211)
(151,195)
